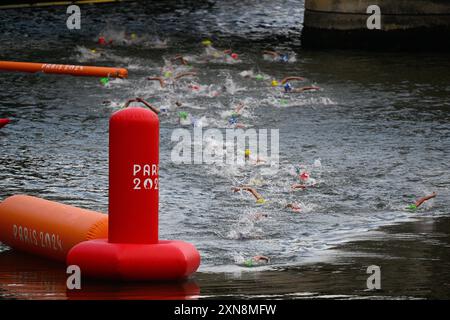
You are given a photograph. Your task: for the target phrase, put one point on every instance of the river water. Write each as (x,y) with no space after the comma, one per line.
(374,138)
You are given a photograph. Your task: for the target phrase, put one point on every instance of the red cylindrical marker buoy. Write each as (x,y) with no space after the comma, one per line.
(133,176)
(133,250)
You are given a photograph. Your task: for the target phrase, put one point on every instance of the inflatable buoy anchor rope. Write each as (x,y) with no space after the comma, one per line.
(145,103)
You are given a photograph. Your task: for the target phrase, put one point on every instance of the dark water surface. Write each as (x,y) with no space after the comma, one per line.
(379,127)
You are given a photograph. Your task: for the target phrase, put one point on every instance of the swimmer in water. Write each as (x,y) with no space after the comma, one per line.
(294,206)
(151,107)
(256,260)
(181,59)
(129,38)
(302,89)
(261,259)
(257,216)
(285,80)
(247,154)
(249,74)
(184,118)
(258,160)
(234,119)
(419,202)
(296,186)
(171,80)
(239,107)
(276,56)
(96,53)
(103,42)
(306,182)
(212,52)
(288,87)
(259,198)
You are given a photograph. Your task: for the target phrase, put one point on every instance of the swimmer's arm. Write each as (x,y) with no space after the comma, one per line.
(253,192)
(306,89)
(151,107)
(239,107)
(185,74)
(249,189)
(291,78)
(162,83)
(180,58)
(228,51)
(271,53)
(263,258)
(298,186)
(294,206)
(422,200)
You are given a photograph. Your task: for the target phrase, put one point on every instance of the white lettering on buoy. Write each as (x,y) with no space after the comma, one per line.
(136,169)
(148,173)
(14,231)
(29,236)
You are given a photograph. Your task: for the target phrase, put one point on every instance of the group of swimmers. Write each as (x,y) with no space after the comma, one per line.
(179,67)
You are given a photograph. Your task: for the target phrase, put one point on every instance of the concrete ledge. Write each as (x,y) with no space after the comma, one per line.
(390,7)
(404,24)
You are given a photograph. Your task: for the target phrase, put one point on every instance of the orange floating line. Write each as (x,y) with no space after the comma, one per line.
(46,228)
(75,70)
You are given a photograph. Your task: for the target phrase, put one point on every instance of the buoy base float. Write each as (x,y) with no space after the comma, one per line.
(4,122)
(165,260)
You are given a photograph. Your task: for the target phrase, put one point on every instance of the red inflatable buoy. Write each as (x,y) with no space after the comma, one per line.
(133,176)
(133,250)
(4,122)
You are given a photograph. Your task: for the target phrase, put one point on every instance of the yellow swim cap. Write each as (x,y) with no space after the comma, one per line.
(206,42)
(247,152)
(274,83)
(133,36)
(167,74)
(93,50)
(260,201)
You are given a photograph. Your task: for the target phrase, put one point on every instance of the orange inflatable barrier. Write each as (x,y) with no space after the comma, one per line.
(47,228)
(74,70)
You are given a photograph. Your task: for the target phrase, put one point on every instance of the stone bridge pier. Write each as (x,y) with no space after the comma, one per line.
(396,24)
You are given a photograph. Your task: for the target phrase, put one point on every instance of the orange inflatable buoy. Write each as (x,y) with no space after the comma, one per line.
(4,122)
(47,228)
(75,70)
